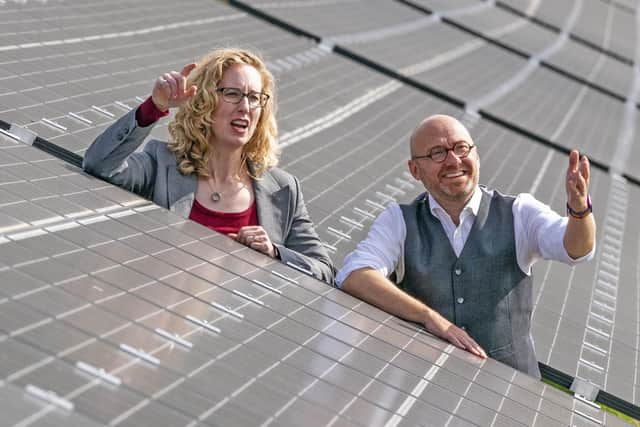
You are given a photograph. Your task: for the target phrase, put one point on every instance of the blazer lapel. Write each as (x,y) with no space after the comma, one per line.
(272,202)
(181,194)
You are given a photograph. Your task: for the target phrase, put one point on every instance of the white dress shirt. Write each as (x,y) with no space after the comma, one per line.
(539,234)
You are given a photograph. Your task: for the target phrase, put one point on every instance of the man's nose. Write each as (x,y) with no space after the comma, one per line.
(451,157)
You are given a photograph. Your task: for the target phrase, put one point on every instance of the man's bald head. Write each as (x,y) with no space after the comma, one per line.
(451,179)
(434,128)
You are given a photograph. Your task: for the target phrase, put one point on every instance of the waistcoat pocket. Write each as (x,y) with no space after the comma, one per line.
(505,354)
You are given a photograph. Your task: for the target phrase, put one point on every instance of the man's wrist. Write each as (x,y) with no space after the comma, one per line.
(579,214)
(428,319)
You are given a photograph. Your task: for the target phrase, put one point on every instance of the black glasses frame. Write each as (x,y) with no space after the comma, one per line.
(264,97)
(456,146)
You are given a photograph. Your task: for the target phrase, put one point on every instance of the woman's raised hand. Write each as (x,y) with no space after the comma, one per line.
(169,90)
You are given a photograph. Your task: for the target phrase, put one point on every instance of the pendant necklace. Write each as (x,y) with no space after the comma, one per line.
(215,195)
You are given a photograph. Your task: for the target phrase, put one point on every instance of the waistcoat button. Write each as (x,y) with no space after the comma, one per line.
(460,300)
(458,271)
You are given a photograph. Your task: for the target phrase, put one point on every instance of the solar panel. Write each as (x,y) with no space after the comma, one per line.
(122,309)
(116,311)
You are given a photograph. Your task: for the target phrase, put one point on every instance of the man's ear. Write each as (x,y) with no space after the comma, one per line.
(413,168)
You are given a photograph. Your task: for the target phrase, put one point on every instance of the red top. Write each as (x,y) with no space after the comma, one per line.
(148,113)
(224,222)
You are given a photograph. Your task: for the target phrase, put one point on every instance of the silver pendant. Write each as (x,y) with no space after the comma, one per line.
(215,196)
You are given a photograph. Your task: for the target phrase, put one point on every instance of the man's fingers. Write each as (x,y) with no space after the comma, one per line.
(187,69)
(577,178)
(455,341)
(461,339)
(472,347)
(476,349)
(483,353)
(573,161)
(585,168)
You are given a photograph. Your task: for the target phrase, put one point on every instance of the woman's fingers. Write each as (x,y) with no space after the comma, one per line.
(170,89)
(172,84)
(187,69)
(256,238)
(161,93)
(179,82)
(191,90)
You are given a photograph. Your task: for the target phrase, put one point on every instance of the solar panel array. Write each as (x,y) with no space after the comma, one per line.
(587,335)
(131,315)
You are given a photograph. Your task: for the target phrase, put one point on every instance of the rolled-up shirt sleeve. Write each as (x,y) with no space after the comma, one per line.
(539,234)
(382,250)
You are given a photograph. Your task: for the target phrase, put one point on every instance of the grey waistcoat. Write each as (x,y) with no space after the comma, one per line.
(484,291)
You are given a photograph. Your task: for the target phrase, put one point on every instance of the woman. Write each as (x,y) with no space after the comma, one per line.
(218,169)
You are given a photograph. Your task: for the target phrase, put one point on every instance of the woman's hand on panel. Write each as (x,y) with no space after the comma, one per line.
(256,238)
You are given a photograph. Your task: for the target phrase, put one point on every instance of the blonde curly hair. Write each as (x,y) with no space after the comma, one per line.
(191,129)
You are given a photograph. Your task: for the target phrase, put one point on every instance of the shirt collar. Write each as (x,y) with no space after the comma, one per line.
(472,206)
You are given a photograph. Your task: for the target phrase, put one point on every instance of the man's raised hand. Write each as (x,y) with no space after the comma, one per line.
(577,182)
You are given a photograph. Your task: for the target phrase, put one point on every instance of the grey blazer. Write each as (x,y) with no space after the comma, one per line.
(152,173)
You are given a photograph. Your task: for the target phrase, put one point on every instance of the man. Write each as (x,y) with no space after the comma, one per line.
(462,254)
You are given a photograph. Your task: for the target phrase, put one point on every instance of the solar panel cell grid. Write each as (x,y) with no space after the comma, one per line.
(458,71)
(606,72)
(488,20)
(334,18)
(432,41)
(139,276)
(553,13)
(528,37)
(593,22)
(570,119)
(446,5)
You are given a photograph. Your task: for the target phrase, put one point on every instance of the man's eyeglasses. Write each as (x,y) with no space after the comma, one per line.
(234,95)
(439,153)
